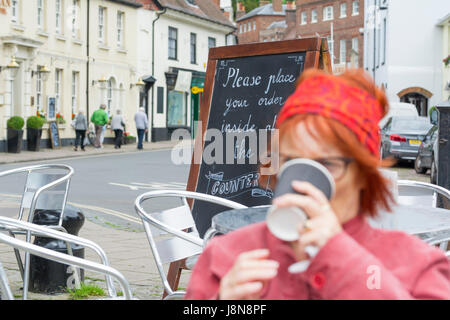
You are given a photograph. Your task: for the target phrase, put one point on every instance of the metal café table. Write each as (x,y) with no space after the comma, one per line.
(428,223)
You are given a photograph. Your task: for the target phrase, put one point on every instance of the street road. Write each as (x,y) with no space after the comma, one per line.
(106,186)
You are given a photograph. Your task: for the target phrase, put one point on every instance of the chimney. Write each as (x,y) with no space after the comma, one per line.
(277,5)
(291,15)
(240,10)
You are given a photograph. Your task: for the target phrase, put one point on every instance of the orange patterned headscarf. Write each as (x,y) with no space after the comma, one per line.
(331,97)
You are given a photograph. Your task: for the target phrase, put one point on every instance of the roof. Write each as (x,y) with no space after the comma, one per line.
(266,10)
(444,20)
(131,3)
(204,9)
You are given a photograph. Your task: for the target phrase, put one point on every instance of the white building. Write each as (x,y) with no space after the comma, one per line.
(182,32)
(403,49)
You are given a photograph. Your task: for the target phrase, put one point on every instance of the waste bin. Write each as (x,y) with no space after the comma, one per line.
(48,276)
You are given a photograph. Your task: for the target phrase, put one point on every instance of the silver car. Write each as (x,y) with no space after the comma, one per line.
(401,137)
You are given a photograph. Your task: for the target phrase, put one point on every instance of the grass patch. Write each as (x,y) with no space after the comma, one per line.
(86,291)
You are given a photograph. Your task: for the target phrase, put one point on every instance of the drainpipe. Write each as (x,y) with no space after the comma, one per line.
(87,63)
(158,14)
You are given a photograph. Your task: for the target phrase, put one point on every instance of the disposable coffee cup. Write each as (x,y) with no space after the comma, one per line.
(284,222)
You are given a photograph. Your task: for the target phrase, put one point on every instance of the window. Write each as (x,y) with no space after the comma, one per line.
(173,43)
(331,46)
(245,27)
(327,13)
(211,42)
(15,11)
(313,16)
(74,22)
(342,51)
(58,16)
(304,16)
(58,79)
(355,44)
(40,14)
(75,77)
(120,32)
(355,8)
(39,90)
(249,27)
(176,104)
(254,25)
(343,10)
(240,28)
(101,24)
(193,48)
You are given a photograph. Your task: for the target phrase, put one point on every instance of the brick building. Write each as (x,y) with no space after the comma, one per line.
(341,21)
(249,25)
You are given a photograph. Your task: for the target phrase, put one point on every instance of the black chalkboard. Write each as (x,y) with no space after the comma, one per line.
(54,135)
(247,96)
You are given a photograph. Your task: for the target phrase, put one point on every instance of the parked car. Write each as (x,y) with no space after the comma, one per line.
(402,135)
(399,109)
(426,151)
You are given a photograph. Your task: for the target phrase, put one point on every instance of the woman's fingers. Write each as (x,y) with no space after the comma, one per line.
(308,204)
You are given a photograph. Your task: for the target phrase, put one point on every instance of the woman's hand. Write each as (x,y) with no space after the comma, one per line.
(322,223)
(248,275)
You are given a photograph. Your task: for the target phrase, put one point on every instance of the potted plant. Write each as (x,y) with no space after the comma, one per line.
(15,134)
(446,60)
(60,119)
(34,132)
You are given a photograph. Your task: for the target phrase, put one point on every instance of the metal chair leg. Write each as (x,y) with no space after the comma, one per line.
(4,285)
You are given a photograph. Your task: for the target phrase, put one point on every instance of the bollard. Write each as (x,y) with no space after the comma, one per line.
(48,276)
(443,151)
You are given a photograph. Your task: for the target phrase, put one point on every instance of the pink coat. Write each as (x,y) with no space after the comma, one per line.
(359,263)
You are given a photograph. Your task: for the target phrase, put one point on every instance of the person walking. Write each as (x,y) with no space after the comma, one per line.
(141,125)
(80,126)
(118,126)
(99,118)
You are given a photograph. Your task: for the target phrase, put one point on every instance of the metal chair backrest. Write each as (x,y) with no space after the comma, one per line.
(43,190)
(103,268)
(420,193)
(174,222)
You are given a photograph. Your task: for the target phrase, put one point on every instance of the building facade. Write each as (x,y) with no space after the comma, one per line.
(407,64)
(444,24)
(63,65)
(183,33)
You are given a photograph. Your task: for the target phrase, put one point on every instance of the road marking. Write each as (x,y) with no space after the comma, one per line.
(151,186)
(89,207)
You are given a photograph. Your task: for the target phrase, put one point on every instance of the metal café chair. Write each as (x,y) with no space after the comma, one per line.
(175,222)
(46,188)
(422,193)
(103,267)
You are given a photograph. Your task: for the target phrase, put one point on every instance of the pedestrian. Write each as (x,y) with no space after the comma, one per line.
(118,126)
(99,118)
(141,125)
(334,120)
(80,125)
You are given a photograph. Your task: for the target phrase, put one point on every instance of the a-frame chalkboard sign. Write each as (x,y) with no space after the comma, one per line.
(245,88)
(53,132)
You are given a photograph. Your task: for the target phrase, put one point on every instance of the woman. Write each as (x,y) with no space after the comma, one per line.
(80,126)
(334,120)
(117,125)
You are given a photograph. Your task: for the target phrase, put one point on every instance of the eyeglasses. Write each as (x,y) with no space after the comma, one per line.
(337,166)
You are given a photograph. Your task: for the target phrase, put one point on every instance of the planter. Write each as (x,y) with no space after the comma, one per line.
(34,139)
(14,138)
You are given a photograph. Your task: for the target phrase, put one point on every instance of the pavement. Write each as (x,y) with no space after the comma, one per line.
(128,250)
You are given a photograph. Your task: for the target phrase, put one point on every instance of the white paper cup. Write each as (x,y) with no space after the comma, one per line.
(283,223)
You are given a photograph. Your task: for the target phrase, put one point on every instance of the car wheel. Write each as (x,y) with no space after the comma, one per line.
(433,175)
(417,166)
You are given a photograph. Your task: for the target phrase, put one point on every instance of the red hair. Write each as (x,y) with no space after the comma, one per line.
(375,192)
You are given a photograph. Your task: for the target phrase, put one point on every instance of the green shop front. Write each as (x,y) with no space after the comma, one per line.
(183,95)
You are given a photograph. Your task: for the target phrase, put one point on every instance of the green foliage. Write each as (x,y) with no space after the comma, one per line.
(35,122)
(15,122)
(86,291)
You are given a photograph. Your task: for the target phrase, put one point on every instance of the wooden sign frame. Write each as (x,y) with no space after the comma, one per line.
(317,56)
